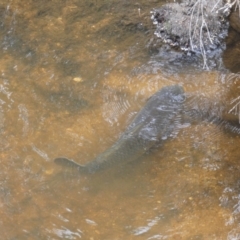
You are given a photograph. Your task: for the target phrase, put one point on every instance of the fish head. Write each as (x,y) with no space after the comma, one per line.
(173,94)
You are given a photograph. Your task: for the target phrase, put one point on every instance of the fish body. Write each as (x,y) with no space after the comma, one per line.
(156,121)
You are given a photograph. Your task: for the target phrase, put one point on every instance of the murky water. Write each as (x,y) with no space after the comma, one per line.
(73,76)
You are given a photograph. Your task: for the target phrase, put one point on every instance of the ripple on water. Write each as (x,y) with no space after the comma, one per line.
(114,106)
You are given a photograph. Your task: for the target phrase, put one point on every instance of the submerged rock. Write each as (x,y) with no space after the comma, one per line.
(234,20)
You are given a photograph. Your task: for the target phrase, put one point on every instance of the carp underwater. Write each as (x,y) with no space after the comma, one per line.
(156,121)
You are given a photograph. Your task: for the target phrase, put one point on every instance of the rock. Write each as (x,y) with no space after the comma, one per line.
(190,24)
(234,20)
(198,27)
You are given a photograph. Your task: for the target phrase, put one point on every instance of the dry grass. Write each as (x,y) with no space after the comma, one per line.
(199,24)
(197,33)
(228,6)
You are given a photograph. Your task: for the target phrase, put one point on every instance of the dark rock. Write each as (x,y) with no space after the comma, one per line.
(198,27)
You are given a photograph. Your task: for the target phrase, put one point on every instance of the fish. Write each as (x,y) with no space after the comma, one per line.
(155,122)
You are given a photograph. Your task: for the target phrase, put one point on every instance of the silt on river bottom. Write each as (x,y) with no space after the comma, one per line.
(73,76)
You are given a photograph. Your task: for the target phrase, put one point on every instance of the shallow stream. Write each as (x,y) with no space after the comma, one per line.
(73,74)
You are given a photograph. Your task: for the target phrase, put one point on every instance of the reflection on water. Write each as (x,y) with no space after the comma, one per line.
(73,76)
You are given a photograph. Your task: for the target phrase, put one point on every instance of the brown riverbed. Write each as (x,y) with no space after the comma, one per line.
(73,76)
